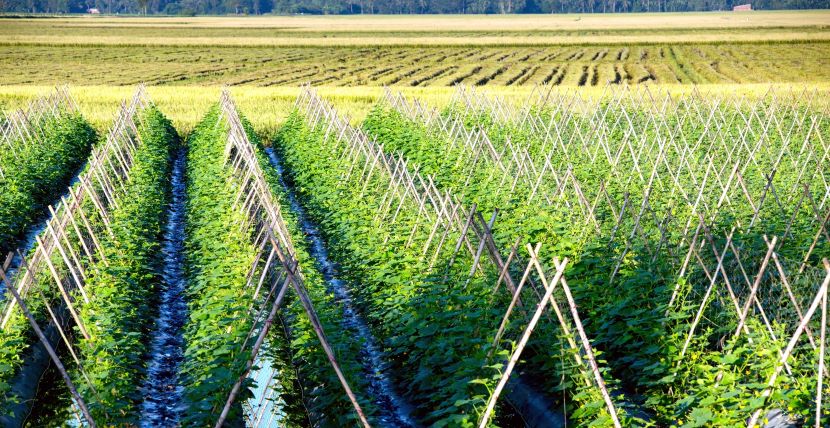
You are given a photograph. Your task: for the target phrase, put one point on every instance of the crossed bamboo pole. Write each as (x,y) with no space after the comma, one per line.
(261,207)
(550,286)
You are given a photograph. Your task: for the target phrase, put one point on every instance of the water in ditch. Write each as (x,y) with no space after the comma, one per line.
(161,389)
(395,412)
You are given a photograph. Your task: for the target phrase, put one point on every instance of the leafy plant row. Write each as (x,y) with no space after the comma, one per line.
(36,172)
(123,288)
(528,221)
(46,169)
(120,264)
(218,257)
(309,390)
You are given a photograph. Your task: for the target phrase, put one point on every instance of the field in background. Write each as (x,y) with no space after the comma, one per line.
(267,108)
(424,29)
(567,50)
(406,66)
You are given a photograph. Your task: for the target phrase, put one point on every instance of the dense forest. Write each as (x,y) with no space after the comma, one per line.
(220,7)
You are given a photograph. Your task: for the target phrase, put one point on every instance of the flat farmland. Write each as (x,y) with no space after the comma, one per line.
(408,66)
(517,221)
(566,50)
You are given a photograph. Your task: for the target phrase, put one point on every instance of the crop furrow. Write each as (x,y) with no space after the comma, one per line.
(161,390)
(393,410)
(584,77)
(484,80)
(438,73)
(518,76)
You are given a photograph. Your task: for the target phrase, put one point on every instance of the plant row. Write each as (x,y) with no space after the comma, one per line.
(318,397)
(119,273)
(437,325)
(484,184)
(38,168)
(123,286)
(219,258)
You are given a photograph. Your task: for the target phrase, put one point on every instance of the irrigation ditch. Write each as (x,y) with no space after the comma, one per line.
(161,389)
(395,411)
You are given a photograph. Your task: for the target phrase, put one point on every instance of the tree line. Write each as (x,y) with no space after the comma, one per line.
(334,7)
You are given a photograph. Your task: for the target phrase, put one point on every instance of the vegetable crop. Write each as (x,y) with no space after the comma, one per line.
(37,172)
(122,289)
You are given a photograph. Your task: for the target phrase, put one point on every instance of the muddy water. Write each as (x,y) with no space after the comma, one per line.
(162,392)
(394,411)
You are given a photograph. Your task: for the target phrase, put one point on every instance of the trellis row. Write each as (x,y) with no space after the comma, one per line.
(417,110)
(565,182)
(442,214)
(742,310)
(24,127)
(715,121)
(735,181)
(644,99)
(725,193)
(275,262)
(100,185)
(437,210)
(71,238)
(819,150)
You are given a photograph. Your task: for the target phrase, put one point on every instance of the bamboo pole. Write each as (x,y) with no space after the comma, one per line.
(754,290)
(51,351)
(821,359)
(65,295)
(793,341)
(514,358)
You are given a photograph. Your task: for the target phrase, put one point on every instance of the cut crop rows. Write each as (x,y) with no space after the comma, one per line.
(263,66)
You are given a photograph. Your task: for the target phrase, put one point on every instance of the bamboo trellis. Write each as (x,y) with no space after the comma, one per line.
(728,170)
(70,243)
(729,166)
(445,217)
(276,263)
(661,163)
(25,126)
(100,185)
(727,179)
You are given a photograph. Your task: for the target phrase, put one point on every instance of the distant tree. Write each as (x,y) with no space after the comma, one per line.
(218,7)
